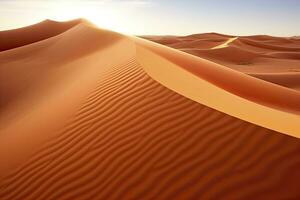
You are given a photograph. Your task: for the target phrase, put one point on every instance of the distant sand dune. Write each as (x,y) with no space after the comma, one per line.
(225,44)
(93,114)
(248,54)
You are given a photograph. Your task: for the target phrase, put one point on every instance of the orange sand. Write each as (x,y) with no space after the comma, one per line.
(272,59)
(87,113)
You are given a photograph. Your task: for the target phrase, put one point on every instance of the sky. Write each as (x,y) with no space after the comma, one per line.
(162,17)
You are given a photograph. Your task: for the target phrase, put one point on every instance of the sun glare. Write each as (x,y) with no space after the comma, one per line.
(122,16)
(104,17)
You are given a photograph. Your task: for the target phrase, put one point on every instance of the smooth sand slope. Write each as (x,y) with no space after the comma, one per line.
(87,113)
(273,59)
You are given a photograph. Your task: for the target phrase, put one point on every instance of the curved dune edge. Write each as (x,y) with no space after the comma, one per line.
(201,91)
(233,81)
(265,55)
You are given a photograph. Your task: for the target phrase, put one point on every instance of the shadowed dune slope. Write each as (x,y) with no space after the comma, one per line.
(106,123)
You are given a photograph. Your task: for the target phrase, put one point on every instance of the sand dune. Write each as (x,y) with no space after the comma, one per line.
(201,41)
(19,37)
(88,113)
(254,55)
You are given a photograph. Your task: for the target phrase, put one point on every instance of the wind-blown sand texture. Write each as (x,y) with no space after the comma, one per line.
(87,113)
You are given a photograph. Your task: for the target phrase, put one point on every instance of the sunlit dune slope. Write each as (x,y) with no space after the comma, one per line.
(272,59)
(92,114)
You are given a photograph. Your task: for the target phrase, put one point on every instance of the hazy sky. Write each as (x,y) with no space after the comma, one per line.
(167,17)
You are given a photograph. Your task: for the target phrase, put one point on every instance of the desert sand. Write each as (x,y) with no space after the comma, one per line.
(88,113)
(273,59)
